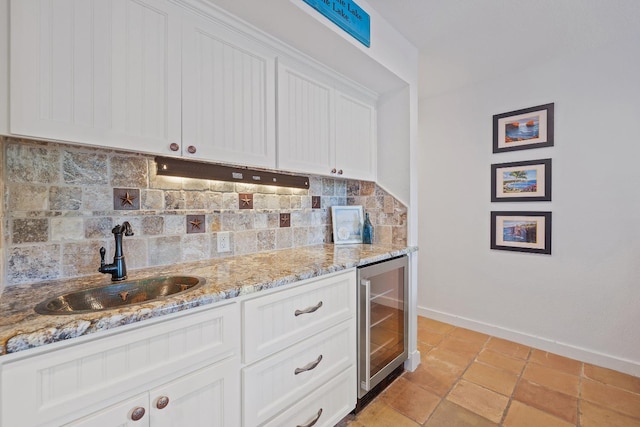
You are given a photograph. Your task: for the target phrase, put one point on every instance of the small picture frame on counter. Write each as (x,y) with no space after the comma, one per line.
(347,224)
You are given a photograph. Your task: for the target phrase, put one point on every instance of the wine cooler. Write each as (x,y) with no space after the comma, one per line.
(382,322)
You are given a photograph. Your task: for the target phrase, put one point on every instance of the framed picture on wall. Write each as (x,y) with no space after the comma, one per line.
(523,129)
(528,181)
(347,224)
(521,231)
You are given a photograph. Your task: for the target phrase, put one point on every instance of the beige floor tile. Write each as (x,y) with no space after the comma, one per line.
(508,347)
(429,337)
(611,397)
(379,414)
(424,349)
(434,325)
(551,378)
(434,380)
(502,361)
(521,415)
(479,400)
(410,400)
(448,414)
(467,348)
(446,361)
(592,415)
(493,378)
(550,360)
(553,402)
(469,335)
(614,378)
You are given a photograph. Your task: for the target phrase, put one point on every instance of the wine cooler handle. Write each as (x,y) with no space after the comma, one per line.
(365,331)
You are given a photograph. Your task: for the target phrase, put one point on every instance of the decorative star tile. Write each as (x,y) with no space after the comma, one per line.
(195,224)
(126,199)
(245,200)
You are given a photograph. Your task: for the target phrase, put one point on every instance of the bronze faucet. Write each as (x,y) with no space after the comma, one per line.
(118,269)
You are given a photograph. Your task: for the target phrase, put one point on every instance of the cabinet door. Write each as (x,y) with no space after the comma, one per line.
(305,123)
(96,72)
(355,138)
(228,95)
(118,415)
(209,397)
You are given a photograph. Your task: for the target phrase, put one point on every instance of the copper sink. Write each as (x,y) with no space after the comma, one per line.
(118,295)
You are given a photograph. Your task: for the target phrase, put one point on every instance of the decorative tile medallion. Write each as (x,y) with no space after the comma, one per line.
(245,201)
(126,199)
(195,224)
(285,220)
(316,202)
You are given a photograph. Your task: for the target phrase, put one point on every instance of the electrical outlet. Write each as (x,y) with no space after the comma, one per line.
(224,245)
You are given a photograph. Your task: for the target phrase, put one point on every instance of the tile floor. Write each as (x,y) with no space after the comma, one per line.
(470,379)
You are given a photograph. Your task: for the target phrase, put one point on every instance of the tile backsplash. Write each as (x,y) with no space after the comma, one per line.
(61,202)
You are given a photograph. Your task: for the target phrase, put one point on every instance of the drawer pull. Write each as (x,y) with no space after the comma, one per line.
(313,422)
(308,366)
(309,310)
(137,413)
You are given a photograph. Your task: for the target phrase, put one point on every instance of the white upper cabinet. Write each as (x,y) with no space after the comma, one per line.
(355,137)
(228,95)
(322,130)
(306,136)
(96,72)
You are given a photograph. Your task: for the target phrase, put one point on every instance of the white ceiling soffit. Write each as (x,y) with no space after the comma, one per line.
(466,41)
(286,21)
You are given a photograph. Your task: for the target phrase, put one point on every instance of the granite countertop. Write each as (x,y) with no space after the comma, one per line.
(22,328)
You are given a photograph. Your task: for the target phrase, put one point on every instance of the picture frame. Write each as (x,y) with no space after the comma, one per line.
(526,181)
(523,129)
(347,224)
(528,231)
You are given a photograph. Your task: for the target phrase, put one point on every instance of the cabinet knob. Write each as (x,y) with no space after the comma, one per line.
(333,170)
(191,149)
(340,172)
(137,413)
(162,402)
(174,147)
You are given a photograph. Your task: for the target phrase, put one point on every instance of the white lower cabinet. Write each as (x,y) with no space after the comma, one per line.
(192,358)
(205,398)
(300,352)
(298,366)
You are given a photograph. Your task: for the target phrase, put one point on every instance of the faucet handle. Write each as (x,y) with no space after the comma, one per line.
(103,252)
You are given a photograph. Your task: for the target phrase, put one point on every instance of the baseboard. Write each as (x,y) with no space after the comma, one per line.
(567,350)
(412,361)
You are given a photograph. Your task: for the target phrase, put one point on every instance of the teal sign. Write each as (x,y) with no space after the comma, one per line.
(346,15)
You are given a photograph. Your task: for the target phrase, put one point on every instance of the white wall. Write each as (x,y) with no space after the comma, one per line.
(583,301)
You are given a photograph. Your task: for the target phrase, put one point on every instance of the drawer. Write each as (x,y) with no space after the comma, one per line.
(271,385)
(98,370)
(275,321)
(327,405)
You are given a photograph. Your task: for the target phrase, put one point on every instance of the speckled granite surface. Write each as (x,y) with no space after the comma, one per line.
(22,328)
